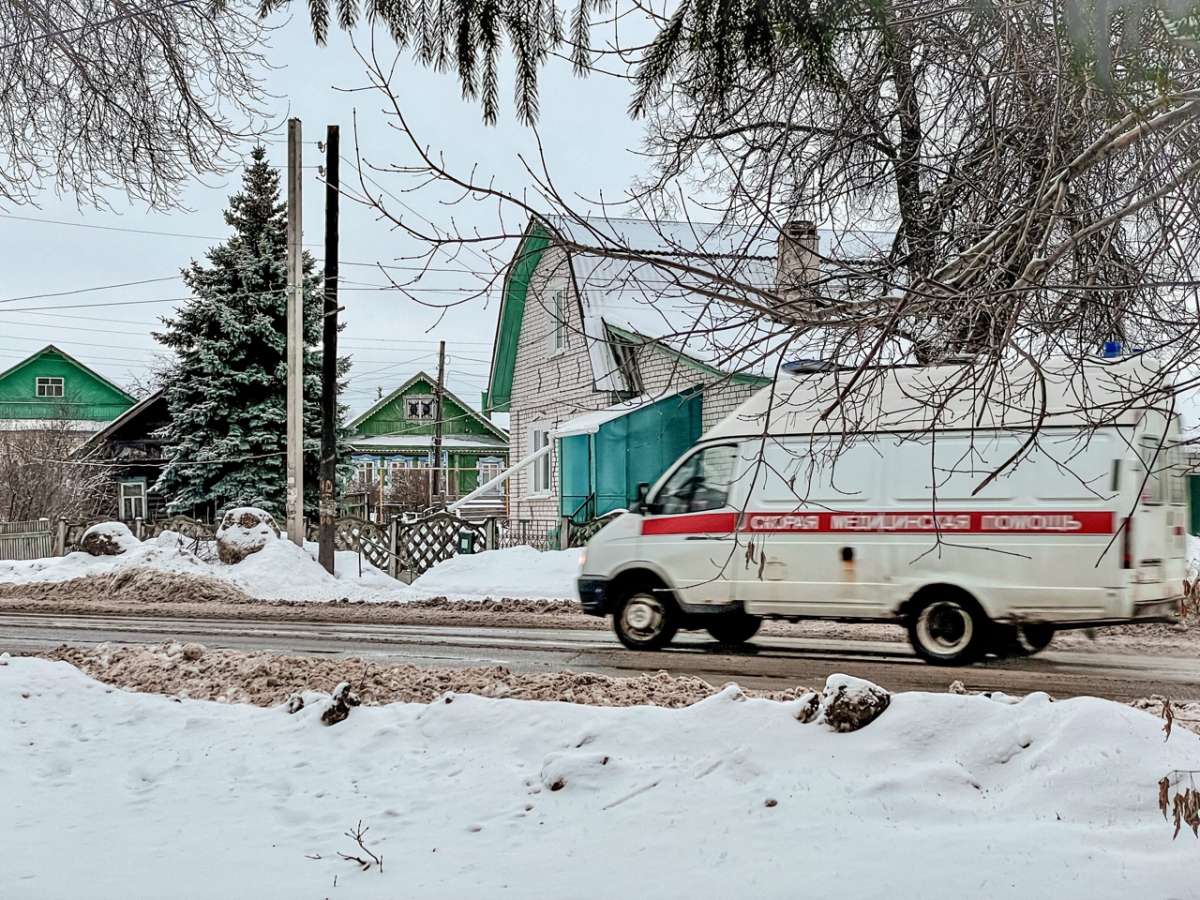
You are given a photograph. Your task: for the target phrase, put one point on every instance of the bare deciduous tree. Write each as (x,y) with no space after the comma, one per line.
(40,479)
(132,95)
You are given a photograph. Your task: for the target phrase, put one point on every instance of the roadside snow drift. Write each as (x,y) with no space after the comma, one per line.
(121,795)
(282,571)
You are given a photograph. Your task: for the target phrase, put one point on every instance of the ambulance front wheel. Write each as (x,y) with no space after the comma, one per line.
(948,628)
(646,621)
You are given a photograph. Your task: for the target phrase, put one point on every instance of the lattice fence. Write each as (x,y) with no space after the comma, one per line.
(359,536)
(423,544)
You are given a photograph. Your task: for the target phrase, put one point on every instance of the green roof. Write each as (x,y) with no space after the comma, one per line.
(51,384)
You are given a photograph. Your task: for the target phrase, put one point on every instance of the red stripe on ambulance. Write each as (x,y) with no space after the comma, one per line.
(692,523)
(926,523)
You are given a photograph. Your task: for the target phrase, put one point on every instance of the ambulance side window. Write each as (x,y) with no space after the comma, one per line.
(700,484)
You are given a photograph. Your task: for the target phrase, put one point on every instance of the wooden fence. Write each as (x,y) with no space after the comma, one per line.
(26,540)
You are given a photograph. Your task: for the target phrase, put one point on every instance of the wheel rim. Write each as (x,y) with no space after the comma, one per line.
(945,628)
(643,617)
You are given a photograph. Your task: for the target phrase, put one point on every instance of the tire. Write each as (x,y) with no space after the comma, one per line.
(949,629)
(646,620)
(732,628)
(1016,641)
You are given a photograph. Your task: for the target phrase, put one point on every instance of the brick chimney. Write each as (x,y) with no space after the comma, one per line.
(799,263)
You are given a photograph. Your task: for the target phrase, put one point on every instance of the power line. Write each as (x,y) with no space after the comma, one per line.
(211,237)
(104,287)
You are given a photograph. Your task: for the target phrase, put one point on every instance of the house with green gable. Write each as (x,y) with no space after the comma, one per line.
(53,387)
(393,445)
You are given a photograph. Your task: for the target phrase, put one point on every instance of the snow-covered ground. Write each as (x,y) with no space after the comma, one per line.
(110,794)
(517,572)
(282,571)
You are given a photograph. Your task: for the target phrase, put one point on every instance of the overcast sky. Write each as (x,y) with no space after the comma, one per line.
(591,147)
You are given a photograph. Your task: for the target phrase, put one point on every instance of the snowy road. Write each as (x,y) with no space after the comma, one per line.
(770,662)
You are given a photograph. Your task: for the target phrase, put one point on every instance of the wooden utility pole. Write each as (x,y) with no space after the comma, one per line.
(295,340)
(329,374)
(437,423)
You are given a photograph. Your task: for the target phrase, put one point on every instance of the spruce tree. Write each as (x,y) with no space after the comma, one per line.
(226,390)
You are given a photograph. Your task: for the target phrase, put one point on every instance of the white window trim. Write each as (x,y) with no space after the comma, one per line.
(534,491)
(49,382)
(139,494)
(558,323)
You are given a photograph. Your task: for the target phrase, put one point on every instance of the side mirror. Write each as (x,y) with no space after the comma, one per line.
(643,491)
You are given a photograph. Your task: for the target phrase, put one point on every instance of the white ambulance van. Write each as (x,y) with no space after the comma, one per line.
(901,504)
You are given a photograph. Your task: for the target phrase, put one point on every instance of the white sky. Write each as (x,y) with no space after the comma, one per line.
(590,144)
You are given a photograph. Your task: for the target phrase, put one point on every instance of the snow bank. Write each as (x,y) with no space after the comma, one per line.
(117,794)
(516,572)
(279,571)
(282,571)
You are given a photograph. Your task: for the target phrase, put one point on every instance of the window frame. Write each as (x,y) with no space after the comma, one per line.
(139,498)
(47,382)
(558,326)
(420,400)
(541,475)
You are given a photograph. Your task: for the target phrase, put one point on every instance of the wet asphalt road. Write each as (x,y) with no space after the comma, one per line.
(768,662)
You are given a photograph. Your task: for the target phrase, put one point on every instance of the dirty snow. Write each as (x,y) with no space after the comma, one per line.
(282,571)
(116,794)
(266,679)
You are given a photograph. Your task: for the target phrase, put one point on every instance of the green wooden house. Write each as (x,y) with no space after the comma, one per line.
(52,386)
(392,448)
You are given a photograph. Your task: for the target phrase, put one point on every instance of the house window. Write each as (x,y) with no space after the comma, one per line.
(131,499)
(49,387)
(419,408)
(558,329)
(366,471)
(539,438)
(489,468)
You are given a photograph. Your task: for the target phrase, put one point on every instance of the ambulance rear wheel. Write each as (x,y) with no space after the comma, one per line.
(733,628)
(949,629)
(646,621)
(1015,641)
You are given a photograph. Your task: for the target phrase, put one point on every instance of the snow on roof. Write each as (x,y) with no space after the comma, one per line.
(399,442)
(694,310)
(589,423)
(914,399)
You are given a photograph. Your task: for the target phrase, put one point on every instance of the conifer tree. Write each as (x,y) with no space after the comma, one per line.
(226,390)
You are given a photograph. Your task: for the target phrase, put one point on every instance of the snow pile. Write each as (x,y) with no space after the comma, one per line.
(516,572)
(108,539)
(243,531)
(265,679)
(280,571)
(475,797)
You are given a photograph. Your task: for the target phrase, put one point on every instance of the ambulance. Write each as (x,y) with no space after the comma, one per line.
(982,508)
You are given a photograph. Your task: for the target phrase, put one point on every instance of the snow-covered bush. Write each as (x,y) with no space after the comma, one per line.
(243,531)
(108,539)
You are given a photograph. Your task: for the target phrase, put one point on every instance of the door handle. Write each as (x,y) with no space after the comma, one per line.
(701,537)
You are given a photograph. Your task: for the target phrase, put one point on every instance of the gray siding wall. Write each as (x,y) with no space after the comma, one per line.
(552,388)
